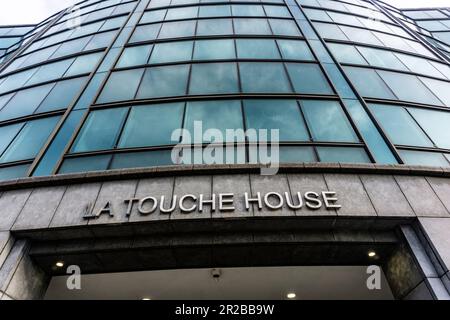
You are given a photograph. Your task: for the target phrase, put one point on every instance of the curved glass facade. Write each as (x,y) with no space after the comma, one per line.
(105,84)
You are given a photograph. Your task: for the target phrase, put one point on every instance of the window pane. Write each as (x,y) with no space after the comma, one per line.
(142,159)
(152,125)
(215,11)
(214,49)
(213,78)
(257,49)
(14,172)
(308,78)
(408,88)
(145,33)
(177,29)
(50,71)
(134,56)
(25,102)
(400,127)
(346,54)
(277,11)
(283,115)
(368,83)
(100,130)
(419,158)
(7,134)
(247,11)
(435,123)
(84,164)
(4,100)
(350,155)
(264,77)
(16,80)
(297,155)
(115,90)
(361,35)
(381,58)
(101,40)
(419,65)
(328,122)
(295,50)
(284,27)
(30,140)
(330,31)
(84,64)
(252,26)
(172,52)
(213,27)
(62,95)
(164,81)
(153,16)
(182,13)
(220,115)
(441,89)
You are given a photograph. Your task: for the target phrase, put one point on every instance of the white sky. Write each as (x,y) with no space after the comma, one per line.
(33,11)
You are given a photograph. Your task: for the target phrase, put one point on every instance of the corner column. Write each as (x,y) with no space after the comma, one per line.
(413,271)
(20,277)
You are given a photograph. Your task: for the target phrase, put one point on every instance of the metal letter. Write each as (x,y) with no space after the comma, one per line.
(257,199)
(130,203)
(292,205)
(329,197)
(183,208)
(172,207)
(212,202)
(151,210)
(223,202)
(313,201)
(269,205)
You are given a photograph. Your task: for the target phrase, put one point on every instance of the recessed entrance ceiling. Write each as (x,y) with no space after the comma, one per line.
(234,283)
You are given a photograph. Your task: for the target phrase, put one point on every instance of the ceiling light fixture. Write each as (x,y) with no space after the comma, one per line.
(59,264)
(291,295)
(372,254)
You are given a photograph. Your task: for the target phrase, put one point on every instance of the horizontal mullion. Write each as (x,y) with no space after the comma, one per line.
(232,96)
(205,145)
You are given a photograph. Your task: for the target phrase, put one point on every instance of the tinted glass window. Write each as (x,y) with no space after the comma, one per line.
(212,27)
(177,29)
(164,81)
(172,52)
(220,115)
(214,78)
(252,26)
(295,50)
(30,140)
(152,125)
(282,115)
(115,90)
(25,102)
(328,122)
(284,27)
(436,124)
(308,78)
(62,95)
(400,127)
(420,158)
(134,56)
(257,49)
(350,155)
(214,49)
(100,130)
(408,87)
(7,134)
(368,83)
(264,77)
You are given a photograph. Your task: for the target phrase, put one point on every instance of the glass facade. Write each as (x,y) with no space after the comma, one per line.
(108,84)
